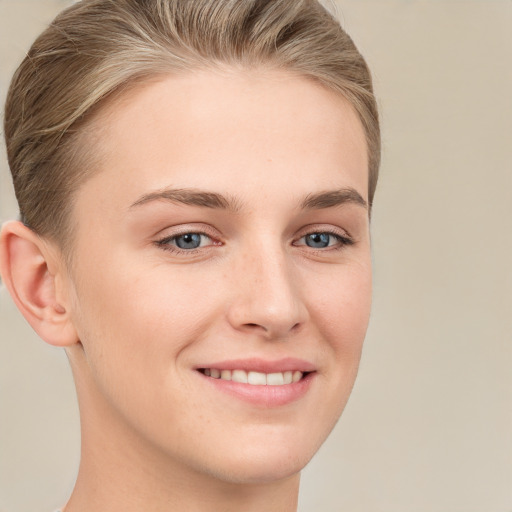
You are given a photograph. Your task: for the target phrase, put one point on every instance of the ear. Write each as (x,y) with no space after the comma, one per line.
(34,273)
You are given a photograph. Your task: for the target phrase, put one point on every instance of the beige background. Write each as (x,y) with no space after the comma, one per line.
(429,425)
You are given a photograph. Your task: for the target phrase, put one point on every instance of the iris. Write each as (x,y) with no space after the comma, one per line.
(188,241)
(318,240)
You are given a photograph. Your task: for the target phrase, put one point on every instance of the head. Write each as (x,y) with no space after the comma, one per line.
(195,181)
(78,64)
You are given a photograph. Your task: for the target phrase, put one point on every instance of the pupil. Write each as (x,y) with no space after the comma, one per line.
(318,240)
(189,241)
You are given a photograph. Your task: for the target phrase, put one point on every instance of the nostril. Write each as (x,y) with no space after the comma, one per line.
(252,326)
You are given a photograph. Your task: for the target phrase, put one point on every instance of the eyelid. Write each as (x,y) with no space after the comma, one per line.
(163,242)
(167,239)
(343,237)
(183,229)
(174,232)
(324,228)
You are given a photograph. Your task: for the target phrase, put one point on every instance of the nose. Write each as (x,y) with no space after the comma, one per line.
(267,300)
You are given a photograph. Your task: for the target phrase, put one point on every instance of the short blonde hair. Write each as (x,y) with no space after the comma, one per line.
(97,48)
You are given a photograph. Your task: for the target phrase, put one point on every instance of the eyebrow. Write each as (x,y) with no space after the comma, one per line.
(333,198)
(205,199)
(190,197)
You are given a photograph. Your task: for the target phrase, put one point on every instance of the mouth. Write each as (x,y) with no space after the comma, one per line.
(261,383)
(255,378)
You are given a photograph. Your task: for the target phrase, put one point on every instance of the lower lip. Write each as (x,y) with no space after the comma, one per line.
(265,396)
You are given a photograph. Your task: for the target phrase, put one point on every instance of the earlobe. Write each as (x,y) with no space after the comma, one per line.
(29,270)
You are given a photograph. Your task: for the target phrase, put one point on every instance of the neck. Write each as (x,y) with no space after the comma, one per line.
(114,480)
(118,491)
(121,472)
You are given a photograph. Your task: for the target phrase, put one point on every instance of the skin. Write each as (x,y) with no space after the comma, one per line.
(138,316)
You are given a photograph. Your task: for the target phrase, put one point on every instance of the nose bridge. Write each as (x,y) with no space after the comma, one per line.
(268,299)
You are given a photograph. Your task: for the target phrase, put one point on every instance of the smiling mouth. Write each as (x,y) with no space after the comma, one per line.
(255,378)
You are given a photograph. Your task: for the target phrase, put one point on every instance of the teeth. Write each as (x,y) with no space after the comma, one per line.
(239,376)
(275,379)
(225,374)
(255,378)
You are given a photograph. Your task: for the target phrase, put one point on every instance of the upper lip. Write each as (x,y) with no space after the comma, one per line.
(262,365)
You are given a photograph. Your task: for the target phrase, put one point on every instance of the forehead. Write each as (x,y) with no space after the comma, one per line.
(238,129)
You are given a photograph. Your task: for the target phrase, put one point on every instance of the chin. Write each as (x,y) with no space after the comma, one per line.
(262,461)
(262,471)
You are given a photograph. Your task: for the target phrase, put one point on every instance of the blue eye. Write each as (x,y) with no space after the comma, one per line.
(186,241)
(318,240)
(324,240)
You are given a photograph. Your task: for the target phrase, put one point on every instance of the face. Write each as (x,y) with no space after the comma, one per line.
(221,274)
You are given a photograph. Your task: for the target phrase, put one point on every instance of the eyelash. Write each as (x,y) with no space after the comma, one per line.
(165,243)
(343,240)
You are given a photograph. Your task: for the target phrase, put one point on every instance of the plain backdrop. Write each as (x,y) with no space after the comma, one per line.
(429,425)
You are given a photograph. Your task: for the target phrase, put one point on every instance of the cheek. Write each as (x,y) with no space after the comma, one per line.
(340,310)
(135,324)
(136,319)
(339,306)
(343,301)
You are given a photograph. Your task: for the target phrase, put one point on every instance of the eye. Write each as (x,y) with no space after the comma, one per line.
(319,240)
(324,240)
(186,241)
